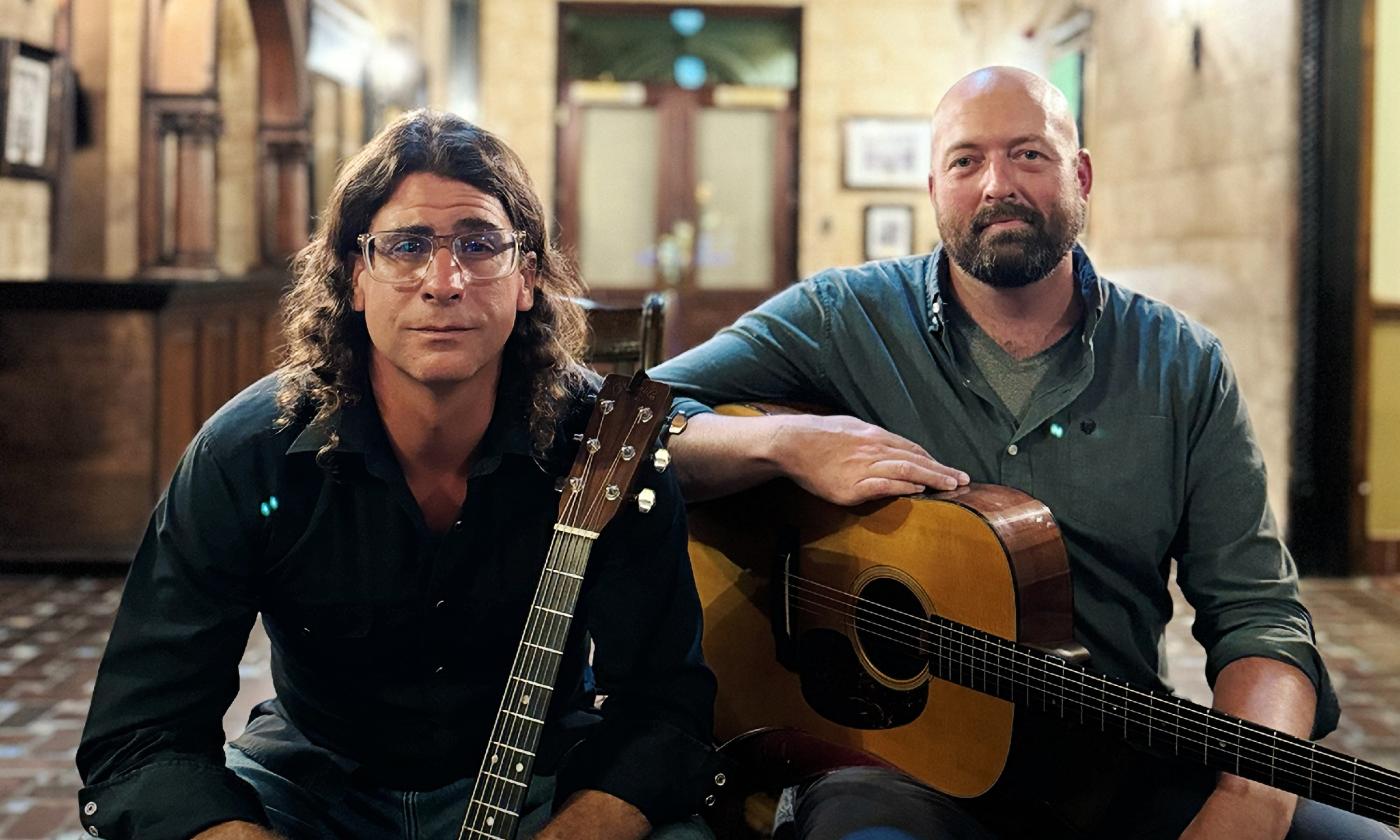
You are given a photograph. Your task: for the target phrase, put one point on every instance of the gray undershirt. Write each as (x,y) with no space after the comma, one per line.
(1013,379)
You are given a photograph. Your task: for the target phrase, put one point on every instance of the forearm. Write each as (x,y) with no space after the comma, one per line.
(1273,694)
(594,815)
(236,831)
(719,455)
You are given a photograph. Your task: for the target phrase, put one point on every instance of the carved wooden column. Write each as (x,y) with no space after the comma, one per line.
(286,191)
(179,219)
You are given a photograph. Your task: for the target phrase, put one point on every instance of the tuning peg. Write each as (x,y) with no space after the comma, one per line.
(578,438)
(661,460)
(646,499)
(677,424)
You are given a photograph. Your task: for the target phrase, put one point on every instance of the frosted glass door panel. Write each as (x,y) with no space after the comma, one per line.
(617,196)
(734,197)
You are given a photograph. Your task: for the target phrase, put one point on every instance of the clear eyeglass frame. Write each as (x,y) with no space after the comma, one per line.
(473,270)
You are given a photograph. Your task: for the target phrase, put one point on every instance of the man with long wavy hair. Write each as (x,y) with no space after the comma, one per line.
(385,502)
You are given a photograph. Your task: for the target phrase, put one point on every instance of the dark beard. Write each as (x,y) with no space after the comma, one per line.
(1014,258)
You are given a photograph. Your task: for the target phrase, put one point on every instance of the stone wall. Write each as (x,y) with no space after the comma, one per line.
(1195,199)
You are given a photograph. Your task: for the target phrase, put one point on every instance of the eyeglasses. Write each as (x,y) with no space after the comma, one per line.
(403,258)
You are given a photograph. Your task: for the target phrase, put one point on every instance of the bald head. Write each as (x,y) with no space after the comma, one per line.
(1008,181)
(1005,89)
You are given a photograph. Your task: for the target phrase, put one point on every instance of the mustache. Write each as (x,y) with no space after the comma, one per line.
(1006,212)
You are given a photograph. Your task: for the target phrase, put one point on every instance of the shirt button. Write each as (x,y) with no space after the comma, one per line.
(90,808)
(1012,449)
(439,669)
(92,829)
(457,526)
(439,605)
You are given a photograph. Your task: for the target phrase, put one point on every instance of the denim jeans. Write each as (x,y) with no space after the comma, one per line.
(368,813)
(868,803)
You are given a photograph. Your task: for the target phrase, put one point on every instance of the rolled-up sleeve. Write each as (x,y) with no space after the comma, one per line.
(1233,566)
(151,755)
(654,746)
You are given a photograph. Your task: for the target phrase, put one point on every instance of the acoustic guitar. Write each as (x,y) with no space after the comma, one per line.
(626,421)
(917,631)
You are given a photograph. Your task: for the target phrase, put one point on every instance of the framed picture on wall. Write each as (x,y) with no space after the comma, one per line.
(886,153)
(28,143)
(889,231)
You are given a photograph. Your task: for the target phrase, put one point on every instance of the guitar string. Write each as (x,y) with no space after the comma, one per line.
(1342,791)
(558,542)
(537,662)
(1354,766)
(1104,696)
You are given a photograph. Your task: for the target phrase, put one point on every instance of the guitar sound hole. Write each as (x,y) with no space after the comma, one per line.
(890,629)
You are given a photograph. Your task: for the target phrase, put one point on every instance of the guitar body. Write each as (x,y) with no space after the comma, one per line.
(779,573)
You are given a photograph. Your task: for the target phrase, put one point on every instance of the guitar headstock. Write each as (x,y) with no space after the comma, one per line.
(627,418)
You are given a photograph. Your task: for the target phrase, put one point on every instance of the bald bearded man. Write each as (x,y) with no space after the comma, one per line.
(1003,357)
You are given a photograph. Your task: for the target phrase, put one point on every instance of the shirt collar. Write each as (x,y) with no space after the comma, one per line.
(362,432)
(1091,290)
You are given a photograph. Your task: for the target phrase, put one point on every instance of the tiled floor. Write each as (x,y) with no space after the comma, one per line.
(52,630)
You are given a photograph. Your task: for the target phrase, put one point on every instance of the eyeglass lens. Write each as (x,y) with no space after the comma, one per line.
(401,257)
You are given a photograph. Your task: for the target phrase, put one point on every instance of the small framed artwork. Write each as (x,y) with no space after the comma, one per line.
(886,153)
(28,143)
(889,231)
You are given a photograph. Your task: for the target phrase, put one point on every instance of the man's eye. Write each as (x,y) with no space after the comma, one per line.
(405,247)
(1032,154)
(962,162)
(477,246)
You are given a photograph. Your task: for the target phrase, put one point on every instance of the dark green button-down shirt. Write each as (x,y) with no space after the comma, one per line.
(1140,445)
(391,644)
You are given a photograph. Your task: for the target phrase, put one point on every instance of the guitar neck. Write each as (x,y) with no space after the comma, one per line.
(498,794)
(1160,723)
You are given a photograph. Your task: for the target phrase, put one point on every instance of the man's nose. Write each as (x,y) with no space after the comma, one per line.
(445,279)
(1000,181)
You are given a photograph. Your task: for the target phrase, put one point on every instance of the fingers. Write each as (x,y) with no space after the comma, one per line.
(923,472)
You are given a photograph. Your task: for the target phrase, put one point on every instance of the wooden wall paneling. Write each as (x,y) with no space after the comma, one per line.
(176,394)
(75,438)
(249,356)
(216,369)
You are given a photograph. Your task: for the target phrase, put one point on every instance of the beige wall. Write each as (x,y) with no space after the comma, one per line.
(1383,504)
(24,203)
(1195,196)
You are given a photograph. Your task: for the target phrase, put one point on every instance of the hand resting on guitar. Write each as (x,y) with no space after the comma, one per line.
(841,459)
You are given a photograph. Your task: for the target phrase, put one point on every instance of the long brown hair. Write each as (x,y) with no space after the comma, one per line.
(325,366)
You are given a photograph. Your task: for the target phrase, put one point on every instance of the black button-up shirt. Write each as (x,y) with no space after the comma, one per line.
(391,644)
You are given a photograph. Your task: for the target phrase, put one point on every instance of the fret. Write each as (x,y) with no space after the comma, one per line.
(513,749)
(564,573)
(542,647)
(504,779)
(522,717)
(549,688)
(553,612)
(495,807)
(482,833)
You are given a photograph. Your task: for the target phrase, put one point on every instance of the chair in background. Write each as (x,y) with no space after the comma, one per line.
(624,339)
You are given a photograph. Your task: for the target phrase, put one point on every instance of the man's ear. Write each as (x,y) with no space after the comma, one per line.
(1084,172)
(529,273)
(357,288)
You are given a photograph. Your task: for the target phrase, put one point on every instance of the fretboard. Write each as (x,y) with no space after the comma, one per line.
(498,794)
(1160,723)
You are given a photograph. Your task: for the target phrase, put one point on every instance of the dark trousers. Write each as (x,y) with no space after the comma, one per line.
(868,803)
